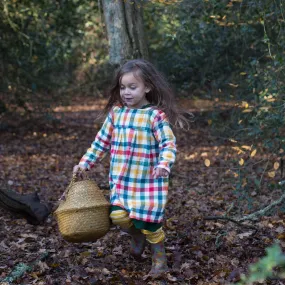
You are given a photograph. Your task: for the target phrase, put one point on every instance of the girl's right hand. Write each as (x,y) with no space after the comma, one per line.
(78,169)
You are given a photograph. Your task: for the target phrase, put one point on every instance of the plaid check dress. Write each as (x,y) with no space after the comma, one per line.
(139,140)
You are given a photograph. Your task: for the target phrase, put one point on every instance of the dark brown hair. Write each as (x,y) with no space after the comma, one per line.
(160,94)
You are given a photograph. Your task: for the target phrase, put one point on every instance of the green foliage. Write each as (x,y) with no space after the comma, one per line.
(230,48)
(265,267)
(42,44)
(241,46)
(202,41)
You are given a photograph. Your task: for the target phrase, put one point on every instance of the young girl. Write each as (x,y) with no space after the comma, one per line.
(137,132)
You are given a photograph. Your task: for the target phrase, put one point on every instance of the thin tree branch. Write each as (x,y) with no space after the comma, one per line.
(263,211)
(252,217)
(263,172)
(230,220)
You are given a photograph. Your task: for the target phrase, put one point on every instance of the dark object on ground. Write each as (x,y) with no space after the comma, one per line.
(27,206)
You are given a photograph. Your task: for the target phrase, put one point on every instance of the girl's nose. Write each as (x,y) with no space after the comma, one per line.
(127,91)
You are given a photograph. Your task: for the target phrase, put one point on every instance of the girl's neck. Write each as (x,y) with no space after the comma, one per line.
(142,104)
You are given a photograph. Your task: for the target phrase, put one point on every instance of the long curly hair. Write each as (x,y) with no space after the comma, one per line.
(160,94)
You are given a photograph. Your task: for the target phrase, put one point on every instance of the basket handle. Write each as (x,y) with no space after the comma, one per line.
(73,180)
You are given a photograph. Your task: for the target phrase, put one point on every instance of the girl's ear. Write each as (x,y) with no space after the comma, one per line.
(147,89)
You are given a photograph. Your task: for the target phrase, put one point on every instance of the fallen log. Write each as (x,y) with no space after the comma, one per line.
(27,206)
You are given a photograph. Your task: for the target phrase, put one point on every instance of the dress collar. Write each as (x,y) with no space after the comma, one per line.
(142,107)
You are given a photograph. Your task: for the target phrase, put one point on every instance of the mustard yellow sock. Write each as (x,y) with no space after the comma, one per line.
(121,218)
(154,237)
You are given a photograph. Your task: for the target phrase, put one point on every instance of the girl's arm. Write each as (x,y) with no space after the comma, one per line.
(99,146)
(167,142)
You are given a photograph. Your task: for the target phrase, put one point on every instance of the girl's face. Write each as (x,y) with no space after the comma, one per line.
(133,91)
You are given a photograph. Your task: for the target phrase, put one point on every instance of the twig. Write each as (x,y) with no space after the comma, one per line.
(263,172)
(263,211)
(230,220)
(230,208)
(218,243)
(181,176)
(252,217)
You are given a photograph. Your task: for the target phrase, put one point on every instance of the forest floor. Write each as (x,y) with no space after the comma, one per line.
(37,157)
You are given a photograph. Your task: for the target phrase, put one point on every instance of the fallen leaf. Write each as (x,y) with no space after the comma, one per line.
(246,147)
(171,278)
(276,165)
(253,153)
(207,162)
(279,230)
(241,162)
(281,236)
(204,154)
(105,271)
(85,254)
(247,111)
(243,235)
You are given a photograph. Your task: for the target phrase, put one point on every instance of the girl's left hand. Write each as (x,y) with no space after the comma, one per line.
(160,172)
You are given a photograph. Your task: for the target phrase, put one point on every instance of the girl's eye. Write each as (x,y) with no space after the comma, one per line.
(131,87)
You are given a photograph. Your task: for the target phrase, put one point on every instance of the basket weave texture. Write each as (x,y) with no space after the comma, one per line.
(84,215)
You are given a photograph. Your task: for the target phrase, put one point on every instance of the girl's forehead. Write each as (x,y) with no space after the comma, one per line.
(130,77)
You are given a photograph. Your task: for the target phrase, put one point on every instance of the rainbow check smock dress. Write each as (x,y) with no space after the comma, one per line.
(139,140)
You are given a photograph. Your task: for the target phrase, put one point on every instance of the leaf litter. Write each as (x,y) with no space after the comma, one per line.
(41,157)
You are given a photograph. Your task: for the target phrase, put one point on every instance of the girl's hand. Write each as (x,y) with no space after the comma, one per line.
(160,172)
(77,169)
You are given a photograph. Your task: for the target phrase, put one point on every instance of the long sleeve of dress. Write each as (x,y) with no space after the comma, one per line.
(100,146)
(166,139)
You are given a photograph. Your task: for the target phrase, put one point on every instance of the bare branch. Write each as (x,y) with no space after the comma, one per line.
(230,220)
(262,212)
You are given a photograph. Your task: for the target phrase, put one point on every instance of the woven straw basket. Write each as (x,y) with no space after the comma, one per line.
(84,215)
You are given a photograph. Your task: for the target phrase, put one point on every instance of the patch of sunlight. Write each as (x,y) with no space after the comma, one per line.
(204,105)
(96,105)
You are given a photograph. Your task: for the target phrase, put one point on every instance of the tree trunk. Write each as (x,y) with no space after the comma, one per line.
(124,24)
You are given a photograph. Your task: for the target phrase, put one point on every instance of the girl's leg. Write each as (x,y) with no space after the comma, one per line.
(159,261)
(121,218)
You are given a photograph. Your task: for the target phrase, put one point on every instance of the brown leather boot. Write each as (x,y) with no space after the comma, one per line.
(159,262)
